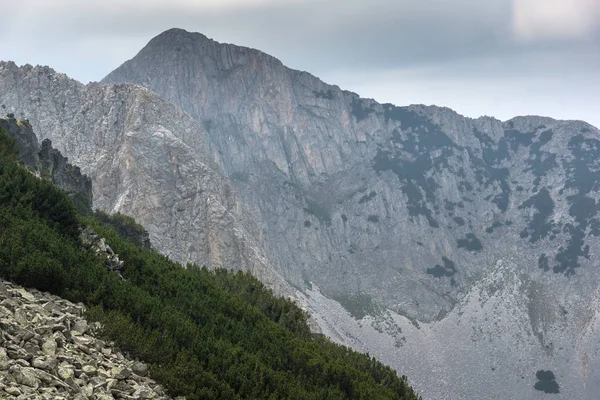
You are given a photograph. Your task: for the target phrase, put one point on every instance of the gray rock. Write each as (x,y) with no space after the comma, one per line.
(13,390)
(66,372)
(26,376)
(18,353)
(123,373)
(89,370)
(40,363)
(21,317)
(87,390)
(80,326)
(139,368)
(49,347)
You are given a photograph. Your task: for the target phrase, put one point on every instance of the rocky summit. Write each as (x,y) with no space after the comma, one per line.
(460,251)
(48,351)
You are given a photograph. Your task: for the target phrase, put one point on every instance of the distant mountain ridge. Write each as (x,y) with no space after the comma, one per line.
(463,248)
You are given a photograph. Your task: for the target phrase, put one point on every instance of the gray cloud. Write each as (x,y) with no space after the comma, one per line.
(453,40)
(535,20)
(306,34)
(560,85)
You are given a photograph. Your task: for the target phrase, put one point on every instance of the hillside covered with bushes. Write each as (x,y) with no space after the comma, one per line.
(205,334)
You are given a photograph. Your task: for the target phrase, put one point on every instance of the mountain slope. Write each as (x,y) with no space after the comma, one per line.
(204,334)
(310,143)
(48,163)
(405,209)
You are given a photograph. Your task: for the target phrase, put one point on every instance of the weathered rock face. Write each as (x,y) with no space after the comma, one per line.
(403,204)
(49,351)
(29,147)
(405,209)
(146,159)
(49,163)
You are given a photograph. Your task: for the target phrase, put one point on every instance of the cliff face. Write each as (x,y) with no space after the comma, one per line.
(344,185)
(137,149)
(49,163)
(459,250)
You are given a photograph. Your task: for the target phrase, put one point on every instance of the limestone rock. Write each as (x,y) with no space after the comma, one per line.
(406,211)
(49,347)
(140,369)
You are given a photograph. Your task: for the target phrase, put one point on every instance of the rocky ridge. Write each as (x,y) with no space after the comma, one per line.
(345,185)
(49,351)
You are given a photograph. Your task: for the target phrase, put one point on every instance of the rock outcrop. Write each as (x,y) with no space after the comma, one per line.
(49,351)
(48,163)
(92,241)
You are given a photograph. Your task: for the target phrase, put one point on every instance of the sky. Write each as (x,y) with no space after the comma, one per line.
(495,57)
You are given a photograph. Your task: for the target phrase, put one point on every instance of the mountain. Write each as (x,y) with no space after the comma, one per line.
(460,251)
(406,211)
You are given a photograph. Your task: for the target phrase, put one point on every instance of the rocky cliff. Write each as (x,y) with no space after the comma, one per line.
(146,159)
(459,250)
(345,185)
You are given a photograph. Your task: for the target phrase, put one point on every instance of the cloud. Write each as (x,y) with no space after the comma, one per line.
(87,39)
(305,34)
(468,54)
(535,20)
(103,6)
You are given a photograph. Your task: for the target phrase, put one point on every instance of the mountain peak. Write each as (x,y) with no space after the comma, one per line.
(187,58)
(177,35)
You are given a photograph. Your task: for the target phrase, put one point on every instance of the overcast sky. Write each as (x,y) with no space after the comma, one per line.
(494,57)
